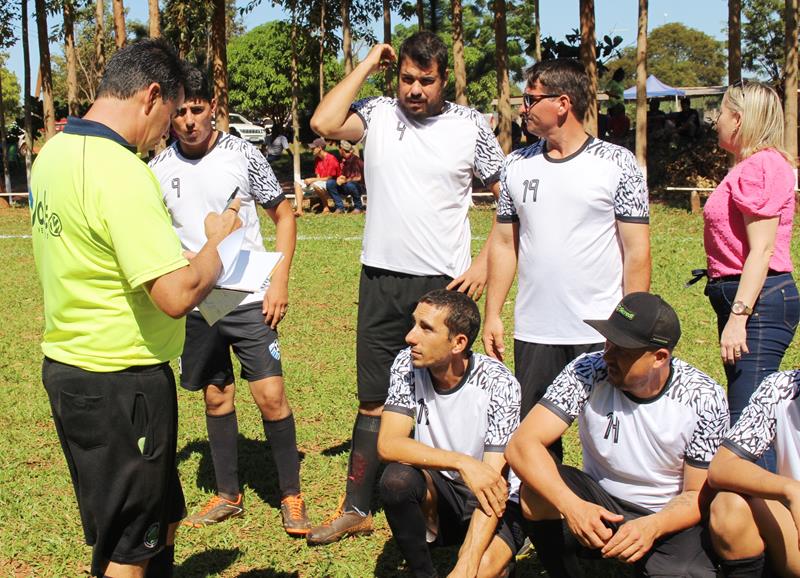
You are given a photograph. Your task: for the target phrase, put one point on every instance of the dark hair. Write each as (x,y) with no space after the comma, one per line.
(563,76)
(423,48)
(463,316)
(136,66)
(196,86)
(619,74)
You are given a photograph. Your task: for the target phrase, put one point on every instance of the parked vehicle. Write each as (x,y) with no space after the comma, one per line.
(241,127)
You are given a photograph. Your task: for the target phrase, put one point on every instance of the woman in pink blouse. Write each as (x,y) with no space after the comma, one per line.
(748,230)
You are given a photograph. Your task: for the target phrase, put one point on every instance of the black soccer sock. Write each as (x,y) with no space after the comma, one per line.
(744,567)
(282,436)
(223,431)
(402,490)
(556,555)
(363,465)
(162,564)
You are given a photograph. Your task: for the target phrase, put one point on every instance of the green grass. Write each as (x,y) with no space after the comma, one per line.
(40,532)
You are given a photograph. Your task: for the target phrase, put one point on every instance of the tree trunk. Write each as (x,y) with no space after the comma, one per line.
(503,87)
(434,20)
(45,73)
(588,53)
(387,39)
(298,197)
(734,41)
(26,93)
(790,78)
(347,38)
(459,69)
(420,15)
(72,61)
(321,50)
(155,21)
(3,144)
(183,43)
(220,63)
(537,33)
(120,35)
(99,39)
(641,89)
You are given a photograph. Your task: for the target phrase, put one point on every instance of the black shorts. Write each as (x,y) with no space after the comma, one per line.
(386,303)
(687,553)
(206,357)
(536,366)
(118,432)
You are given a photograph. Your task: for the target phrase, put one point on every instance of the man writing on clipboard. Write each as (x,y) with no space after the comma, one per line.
(198,172)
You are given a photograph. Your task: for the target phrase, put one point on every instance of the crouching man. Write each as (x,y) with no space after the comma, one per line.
(649,425)
(761,510)
(445,485)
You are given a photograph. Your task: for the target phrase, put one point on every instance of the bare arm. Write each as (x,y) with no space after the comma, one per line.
(635,538)
(473,280)
(527,454)
(481,530)
(394,445)
(179,291)
(636,267)
(333,118)
(761,235)
(503,246)
(276,299)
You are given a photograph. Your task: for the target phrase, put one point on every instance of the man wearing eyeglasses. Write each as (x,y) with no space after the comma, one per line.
(576,208)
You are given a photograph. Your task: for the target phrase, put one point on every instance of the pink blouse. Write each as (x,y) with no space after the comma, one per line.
(762,186)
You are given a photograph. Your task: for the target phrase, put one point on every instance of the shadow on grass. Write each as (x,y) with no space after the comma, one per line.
(256,467)
(268,573)
(207,563)
(342,448)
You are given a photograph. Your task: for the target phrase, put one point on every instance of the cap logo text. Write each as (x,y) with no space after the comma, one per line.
(629,315)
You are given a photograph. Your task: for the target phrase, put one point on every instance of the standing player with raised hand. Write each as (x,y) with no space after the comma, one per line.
(198,172)
(420,155)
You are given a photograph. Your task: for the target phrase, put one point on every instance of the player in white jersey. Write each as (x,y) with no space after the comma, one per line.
(199,171)
(573,219)
(445,484)
(420,156)
(761,510)
(649,425)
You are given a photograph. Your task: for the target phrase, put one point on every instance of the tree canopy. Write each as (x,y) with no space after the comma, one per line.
(762,37)
(679,56)
(11,94)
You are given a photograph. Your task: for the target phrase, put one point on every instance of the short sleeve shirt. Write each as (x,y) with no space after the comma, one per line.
(570,256)
(771,417)
(478,415)
(192,188)
(100,233)
(419,176)
(761,186)
(636,449)
(327,166)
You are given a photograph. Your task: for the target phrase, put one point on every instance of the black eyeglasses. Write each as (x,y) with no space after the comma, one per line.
(530,100)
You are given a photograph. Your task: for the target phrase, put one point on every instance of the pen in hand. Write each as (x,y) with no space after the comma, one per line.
(230,200)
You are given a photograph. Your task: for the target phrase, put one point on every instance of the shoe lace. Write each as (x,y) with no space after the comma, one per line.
(295,505)
(213,503)
(337,514)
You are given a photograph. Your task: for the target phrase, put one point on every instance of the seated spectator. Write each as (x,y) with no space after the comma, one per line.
(763,514)
(618,124)
(326,167)
(687,120)
(444,485)
(656,118)
(277,144)
(350,182)
(649,424)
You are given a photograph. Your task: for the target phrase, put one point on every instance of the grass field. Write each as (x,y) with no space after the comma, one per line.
(40,531)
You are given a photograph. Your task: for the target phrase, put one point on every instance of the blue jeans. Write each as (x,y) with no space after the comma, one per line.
(770,330)
(349,189)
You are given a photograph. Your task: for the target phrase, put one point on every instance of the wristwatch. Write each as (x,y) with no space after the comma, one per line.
(739,308)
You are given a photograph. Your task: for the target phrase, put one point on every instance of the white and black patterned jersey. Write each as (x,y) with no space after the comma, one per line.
(636,449)
(419,175)
(478,415)
(570,256)
(772,416)
(192,188)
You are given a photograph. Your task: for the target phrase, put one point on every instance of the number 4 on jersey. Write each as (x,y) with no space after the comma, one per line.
(530,186)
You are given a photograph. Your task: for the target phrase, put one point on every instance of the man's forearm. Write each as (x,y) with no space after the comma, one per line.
(285,239)
(680,513)
(502,268)
(735,474)
(636,270)
(479,536)
(414,453)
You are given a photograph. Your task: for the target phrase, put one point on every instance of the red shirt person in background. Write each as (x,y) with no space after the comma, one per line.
(350,180)
(326,167)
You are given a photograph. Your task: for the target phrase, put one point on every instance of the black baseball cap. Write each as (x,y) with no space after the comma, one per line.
(640,320)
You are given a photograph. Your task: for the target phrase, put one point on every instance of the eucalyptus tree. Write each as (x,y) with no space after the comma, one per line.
(45,72)
(589,59)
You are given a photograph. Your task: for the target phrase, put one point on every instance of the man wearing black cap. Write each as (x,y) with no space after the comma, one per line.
(649,425)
